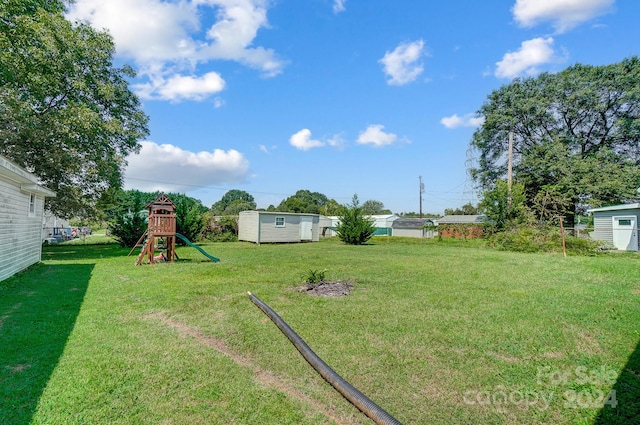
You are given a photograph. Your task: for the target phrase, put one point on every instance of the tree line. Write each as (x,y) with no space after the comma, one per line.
(125,213)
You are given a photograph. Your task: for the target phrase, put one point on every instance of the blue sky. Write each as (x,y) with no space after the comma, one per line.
(341,97)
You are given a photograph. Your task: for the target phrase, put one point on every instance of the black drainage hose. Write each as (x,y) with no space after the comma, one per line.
(348,391)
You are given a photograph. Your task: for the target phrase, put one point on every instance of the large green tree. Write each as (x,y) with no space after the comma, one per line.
(373,207)
(577,131)
(233,202)
(190,220)
(503,205)
(66,112)
(304,201)
(330,208)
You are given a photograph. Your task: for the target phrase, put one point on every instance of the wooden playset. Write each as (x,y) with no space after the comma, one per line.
(160,233)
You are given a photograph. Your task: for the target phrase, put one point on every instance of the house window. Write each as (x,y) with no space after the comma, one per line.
(32,205)
(624,222)
(279,221)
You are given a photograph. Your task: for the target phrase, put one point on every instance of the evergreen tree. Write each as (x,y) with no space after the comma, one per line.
(355,226)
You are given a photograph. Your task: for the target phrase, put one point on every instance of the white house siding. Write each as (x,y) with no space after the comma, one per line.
(20,219)
(20,233)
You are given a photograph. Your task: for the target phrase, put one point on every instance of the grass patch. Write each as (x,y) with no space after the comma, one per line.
(433,332)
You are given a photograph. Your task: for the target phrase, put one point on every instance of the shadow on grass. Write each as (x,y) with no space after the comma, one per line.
(627,395)
(83,252)
(38,310)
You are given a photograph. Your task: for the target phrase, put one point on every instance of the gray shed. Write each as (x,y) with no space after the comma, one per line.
(274,227)
(473,224)
(618,225)
(413,227)
(463,219)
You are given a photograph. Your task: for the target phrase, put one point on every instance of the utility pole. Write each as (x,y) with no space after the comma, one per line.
(510,168)
(510,163)
(421,192)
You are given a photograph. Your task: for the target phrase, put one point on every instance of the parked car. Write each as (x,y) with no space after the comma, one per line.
(50,241)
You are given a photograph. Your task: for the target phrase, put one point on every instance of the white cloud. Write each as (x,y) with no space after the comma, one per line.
(178,87)
(166,39)
(218,102)
(532,53)
(402,65)
(338,6)
(375,135)
(267,149)
(169,168)
(467,120)
(337,142)
(564,14)
(145,30)
(303,141)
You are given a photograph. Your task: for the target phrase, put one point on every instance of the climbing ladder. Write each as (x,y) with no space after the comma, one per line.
(143,251)
(145,241)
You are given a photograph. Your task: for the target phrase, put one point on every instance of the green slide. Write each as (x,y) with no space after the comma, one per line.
(210,257)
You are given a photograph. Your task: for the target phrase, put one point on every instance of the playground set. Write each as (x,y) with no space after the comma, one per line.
(161,234)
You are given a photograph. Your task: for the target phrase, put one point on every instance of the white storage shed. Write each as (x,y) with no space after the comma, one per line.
(275,227)
(21,218)
(618,225)
(382,222)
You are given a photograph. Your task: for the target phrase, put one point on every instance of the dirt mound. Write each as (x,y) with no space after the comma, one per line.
(327,289)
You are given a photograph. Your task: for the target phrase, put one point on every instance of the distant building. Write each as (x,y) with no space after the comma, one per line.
(53,226)
(618,225)
(451,226)
(382,222)
(21,218)
(414,227)
(274,227)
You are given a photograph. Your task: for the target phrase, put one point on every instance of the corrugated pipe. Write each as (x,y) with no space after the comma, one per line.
(348,391)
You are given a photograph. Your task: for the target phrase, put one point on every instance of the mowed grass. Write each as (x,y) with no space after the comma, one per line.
(433,332)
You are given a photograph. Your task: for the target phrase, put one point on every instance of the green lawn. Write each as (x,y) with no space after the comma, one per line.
(434,332)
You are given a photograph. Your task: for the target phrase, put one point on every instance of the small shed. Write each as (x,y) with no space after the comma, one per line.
(450,226)
(382,222)
(413,227)
(618,225)
(275,227)
(21,218)
(327,226)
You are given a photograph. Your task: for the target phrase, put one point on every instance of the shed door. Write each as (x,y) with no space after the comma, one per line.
(306,228)
(625,234)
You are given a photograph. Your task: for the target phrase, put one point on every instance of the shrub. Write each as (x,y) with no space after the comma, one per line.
(128,228)
(189,218)
(315,276)
(532,239)
(221,229)
(355,227)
